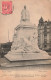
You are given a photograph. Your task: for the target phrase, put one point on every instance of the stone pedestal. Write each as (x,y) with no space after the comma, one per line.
(25,45)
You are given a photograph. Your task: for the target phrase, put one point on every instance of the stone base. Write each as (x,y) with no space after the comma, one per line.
(26,59)
(14,56)
(26,63)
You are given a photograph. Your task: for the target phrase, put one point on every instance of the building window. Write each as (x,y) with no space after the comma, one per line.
(45,43)
(45,46)
(45,31)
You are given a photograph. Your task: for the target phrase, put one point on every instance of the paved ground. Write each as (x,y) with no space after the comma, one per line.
(40,66)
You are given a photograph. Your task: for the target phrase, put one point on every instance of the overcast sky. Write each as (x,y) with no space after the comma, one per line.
(36,8)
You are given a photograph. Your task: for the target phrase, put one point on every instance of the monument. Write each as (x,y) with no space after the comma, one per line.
(24,49)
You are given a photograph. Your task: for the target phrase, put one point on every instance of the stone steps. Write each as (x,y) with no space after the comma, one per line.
(26,63)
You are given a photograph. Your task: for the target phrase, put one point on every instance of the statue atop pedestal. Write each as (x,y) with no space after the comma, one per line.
(25,41)
(25,15)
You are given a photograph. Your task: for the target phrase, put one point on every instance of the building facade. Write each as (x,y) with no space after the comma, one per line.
(44,34)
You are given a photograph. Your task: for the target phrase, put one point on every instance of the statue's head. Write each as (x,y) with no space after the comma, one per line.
(25,7)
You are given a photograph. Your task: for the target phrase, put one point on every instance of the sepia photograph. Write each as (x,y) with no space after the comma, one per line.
(25,39)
